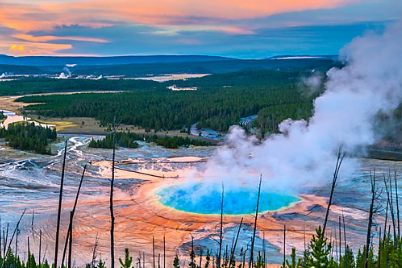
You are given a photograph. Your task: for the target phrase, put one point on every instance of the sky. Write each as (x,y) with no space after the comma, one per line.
(233,28)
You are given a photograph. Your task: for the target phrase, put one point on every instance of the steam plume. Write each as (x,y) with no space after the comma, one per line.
(304,153)
(66,73)
(4,75)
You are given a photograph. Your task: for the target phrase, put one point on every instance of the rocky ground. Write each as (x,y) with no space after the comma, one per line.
(32,182)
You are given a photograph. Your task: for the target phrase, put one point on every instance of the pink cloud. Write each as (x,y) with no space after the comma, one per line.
(47,38)
(95,13)
(171,16)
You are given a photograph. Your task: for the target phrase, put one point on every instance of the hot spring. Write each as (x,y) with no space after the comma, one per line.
(206,199)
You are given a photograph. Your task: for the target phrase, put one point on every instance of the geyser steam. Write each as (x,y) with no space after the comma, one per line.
(305,152)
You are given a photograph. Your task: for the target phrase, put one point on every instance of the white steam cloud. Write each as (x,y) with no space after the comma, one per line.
(65,74)
(313,83)
(4,75)
(304,153)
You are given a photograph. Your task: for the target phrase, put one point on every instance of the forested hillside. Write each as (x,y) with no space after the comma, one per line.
(220,101)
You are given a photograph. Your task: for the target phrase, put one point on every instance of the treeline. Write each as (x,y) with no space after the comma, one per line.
(46,85)
(242,78)
(128,140)
(2,116)
(12,261)
(219,102)
(207,67)
(122,140)
(29,137)
(270,117)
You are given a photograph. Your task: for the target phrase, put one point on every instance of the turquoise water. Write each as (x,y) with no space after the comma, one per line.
(199,198)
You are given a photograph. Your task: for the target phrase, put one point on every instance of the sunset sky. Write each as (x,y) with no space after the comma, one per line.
(237,28)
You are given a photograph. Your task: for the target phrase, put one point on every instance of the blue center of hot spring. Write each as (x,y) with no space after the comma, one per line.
(199,198)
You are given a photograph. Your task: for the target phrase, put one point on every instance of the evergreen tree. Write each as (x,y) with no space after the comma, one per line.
(176,261)
(260,262)
(348,259)
(192,263)
(128,260)
(294,262)
(319,251)
(207,259)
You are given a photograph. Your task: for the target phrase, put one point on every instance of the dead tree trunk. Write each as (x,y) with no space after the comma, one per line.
(255,226)
(218,260)
(164,251)
(388,189)
(29,254)
(12,238)
(284,245)
(397,205)
(392,206)
(386,219)
(5,235)
(374,196)
(201,255)
(94,252)
(153,252)
(345,241)
(244,258)
(72,213)
(1,240)
(264,249)
(336,243)
(16,242)
(56,247)
(340,239)
(6,239)
(112,219)
(33,221)
(304,237)
(233,252)
(40,247)
(70,243)
(339,160)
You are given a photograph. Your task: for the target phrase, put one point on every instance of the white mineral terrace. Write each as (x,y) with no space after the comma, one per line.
(175,88)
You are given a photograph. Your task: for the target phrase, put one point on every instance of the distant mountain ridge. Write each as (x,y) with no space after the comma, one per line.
(208,67)
(160,65)
(113,60)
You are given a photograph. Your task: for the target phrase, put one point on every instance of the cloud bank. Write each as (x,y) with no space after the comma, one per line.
(32,23)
